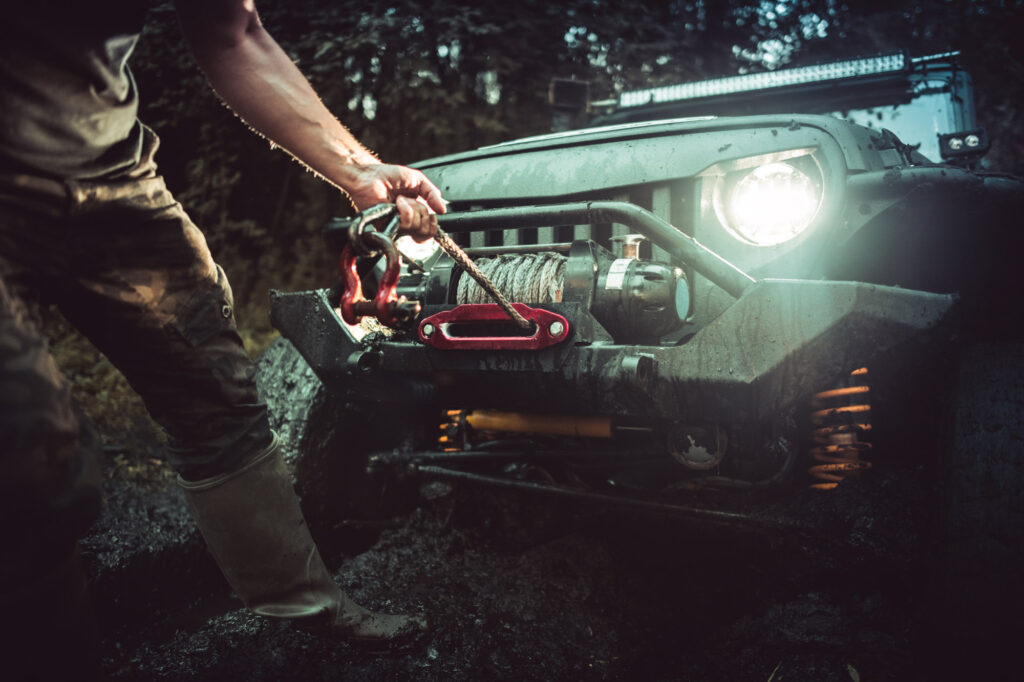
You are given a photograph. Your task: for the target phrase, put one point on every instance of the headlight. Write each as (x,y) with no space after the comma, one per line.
(770,204)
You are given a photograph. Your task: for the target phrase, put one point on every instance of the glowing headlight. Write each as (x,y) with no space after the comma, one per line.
(771,204)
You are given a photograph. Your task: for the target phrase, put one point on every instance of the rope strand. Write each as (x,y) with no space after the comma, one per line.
(526,278)
(460,257)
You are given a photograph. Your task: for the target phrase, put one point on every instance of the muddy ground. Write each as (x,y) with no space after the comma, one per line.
(523,588)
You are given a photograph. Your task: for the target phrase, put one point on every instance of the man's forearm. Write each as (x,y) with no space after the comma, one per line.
(259,82)
(255,77)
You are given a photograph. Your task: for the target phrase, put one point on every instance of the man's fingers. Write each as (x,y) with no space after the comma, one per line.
(406,213)
(433,197)
(417,185)
(426,221)
(415,218)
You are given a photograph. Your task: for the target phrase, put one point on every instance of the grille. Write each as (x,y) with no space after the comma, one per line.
(671,201)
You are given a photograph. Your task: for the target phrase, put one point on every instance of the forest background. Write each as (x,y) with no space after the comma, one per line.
(420,78)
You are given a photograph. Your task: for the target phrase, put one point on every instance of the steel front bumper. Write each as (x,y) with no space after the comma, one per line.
(779,341)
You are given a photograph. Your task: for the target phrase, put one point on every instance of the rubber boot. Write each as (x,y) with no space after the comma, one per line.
(255,531)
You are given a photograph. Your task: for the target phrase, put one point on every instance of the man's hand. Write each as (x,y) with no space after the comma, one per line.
(416,198)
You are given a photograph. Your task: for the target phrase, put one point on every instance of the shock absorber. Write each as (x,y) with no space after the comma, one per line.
(839,418)
(459,425)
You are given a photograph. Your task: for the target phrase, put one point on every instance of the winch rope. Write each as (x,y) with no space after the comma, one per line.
(526,278)
(459,256)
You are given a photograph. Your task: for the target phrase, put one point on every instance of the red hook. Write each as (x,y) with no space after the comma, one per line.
(386,306)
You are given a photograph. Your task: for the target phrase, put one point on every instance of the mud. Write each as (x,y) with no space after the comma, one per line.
(520,587)
(144,556)
(513,593)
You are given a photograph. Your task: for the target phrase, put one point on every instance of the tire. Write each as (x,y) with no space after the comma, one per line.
(327,439)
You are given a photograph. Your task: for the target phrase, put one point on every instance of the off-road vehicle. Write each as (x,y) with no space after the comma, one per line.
(726,313)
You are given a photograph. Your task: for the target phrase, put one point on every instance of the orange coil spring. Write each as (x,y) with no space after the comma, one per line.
(447,440)
(839,417)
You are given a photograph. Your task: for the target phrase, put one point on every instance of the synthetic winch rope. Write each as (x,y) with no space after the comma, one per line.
(527,278)
(459,256)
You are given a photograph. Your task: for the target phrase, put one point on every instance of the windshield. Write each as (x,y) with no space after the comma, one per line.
(938,107)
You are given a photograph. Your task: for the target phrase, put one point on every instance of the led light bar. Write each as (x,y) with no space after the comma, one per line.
(852,68)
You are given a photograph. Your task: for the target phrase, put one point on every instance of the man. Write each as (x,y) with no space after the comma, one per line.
(87,223)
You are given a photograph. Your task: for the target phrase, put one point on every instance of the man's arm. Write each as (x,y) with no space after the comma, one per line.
(259,82)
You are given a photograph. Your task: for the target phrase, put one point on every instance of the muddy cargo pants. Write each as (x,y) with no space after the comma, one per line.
(124,263)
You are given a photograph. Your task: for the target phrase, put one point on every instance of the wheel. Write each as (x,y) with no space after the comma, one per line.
(327,440)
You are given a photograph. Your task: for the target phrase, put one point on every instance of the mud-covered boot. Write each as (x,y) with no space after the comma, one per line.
(255,531)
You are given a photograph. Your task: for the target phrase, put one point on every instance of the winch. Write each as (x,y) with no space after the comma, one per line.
(636,301)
